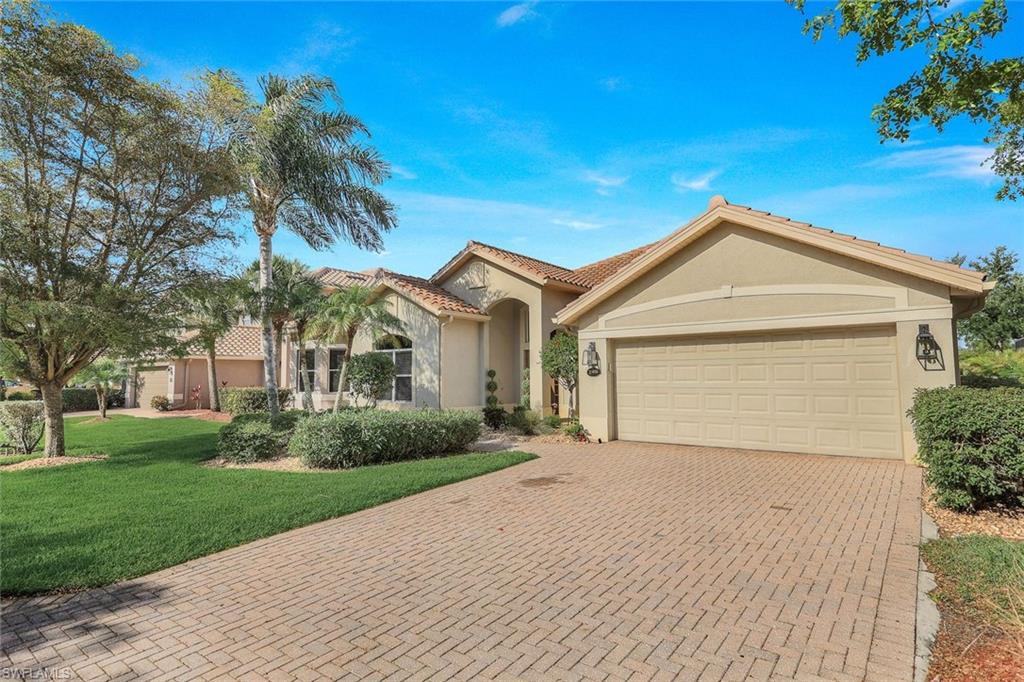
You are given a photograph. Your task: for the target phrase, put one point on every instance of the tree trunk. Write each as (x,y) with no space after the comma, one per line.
(53,409)
(343,377)
(269,364)
(279,361)
(307,384)
(211,377)
(101,402)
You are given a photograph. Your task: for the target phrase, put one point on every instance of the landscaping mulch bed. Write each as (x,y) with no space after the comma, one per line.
(1002,522)
(282,464)
(966,651)
(41,462)
(208,415)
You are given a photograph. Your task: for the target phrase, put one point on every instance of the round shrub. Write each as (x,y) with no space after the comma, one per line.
(21,424)
(250,399)
(972,442)
(526,422)
(370,375)
(553,420)
(160,403)
(360,437)
(254,438)
(495,417)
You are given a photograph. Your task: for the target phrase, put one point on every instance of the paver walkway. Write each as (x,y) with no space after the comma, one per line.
(609,561)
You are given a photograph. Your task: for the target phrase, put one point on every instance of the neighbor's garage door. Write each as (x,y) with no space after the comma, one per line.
(827,392)
(152,381)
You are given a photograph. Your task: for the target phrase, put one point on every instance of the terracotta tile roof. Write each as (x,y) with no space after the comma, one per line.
(953,267)
(593,274)
(426,292)
(335,277)
(241,341)
(534,266)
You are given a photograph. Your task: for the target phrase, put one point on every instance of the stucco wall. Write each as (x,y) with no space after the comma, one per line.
(736,279)
(462,370)
(191,372)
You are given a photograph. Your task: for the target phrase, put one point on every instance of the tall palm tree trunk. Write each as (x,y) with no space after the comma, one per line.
(211,376)
(343,377)
(307,383)
(269,364)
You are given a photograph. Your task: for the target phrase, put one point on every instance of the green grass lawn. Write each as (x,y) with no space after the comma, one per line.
(152,505)
(979,575)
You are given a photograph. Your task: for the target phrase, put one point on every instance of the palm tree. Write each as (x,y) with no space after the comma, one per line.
(291,288)
(302,167)
(103,376)
(213,308)
(345,313)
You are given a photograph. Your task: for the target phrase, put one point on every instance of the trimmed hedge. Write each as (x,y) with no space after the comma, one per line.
(360,437)
(250,399)
(972,441)
(254,437)
(82,399)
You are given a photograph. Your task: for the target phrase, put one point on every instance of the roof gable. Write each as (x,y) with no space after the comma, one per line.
(533,269)
(720,212)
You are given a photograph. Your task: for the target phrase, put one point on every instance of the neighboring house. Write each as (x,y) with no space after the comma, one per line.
(239,363)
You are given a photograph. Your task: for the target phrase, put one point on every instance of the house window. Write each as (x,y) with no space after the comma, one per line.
(399,349)
(310,372)
(335,358)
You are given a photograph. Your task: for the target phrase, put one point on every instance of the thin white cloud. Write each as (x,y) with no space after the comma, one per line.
(825,200)
(604,181)
(581,225)
(402,172)
(516,13)
(967,162)
(325,44)
(694,183)
(614,84)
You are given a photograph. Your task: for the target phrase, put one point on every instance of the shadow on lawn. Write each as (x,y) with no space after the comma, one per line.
(104,614)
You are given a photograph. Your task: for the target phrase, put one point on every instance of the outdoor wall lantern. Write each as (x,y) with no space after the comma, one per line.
(927,347)
(592,360)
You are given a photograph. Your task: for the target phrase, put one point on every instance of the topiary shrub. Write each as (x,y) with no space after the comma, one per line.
(21,424)
(250,399)
(495,417)
(360,437)
(972,442)
(254,437)
(160,403)
(526,422)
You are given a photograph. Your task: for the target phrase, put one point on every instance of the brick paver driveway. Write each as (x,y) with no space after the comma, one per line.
(594,562)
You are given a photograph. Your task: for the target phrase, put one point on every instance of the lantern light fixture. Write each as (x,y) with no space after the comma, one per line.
(927,347)
(592,360)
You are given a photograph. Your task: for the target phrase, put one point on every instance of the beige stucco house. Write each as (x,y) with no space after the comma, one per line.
(739,329)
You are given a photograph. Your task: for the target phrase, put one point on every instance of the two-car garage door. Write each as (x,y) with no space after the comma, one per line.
(826,392)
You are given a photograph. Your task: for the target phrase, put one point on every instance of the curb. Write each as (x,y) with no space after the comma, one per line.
(927,625)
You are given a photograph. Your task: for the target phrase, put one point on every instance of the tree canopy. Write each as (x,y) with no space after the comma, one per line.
(996,325)
(560,360)
(112,199)
(958,78)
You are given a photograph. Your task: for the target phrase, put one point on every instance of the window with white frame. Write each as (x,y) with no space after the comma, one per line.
(335,359)
(310,373)
(399,349)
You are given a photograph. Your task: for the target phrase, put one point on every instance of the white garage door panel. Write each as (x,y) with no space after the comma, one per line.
(828,392)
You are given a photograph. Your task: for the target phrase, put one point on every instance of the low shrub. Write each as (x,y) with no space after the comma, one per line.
(160,403)
(526,422)
(83,399)
(20,395)
(972,442)
(249,399)
(495,417)
(553,420)
(254,438)
(575,430)
(21,424)
(355,438)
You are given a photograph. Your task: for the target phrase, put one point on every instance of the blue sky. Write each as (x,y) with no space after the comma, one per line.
(575,131)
